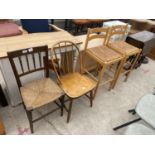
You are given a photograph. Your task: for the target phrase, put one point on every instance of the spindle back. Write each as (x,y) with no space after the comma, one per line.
(26,61)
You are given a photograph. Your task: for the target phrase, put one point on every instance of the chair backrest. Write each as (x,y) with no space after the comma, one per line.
(35,25)
(26,61)
(119,31)
(97,33)
(65,55)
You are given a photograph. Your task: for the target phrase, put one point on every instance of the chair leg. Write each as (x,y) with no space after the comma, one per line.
(91,98)
(29,115)
(62,104)
(126,124)
(117,73)
(69,110)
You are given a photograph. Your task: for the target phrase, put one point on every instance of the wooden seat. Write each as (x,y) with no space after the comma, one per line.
(39,90)
(103,56)
(64,58)
(124,48)
(75,84)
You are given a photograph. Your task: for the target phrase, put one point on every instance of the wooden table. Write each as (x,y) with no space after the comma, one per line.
(21,42)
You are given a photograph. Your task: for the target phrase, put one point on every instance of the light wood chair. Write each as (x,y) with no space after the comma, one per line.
(123,48)
(103,56)
(26,65)
(74,84)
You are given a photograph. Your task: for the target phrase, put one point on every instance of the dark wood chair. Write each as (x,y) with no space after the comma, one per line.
(74,84)
(36,93)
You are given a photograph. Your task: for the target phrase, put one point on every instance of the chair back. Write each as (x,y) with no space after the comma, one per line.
(26,61)
(35,25)
(64,58)
(97,33)
(119,31)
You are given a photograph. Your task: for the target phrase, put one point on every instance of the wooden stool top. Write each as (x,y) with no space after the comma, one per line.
(124,48)
(103,54)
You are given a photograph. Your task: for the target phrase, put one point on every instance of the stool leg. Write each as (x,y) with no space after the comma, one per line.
(132,66)
(117,73)
(99,79)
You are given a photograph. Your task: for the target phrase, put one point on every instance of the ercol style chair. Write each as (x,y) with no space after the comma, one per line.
(145,109)
(123,48)
(74,84)
(103,56)
(28,64)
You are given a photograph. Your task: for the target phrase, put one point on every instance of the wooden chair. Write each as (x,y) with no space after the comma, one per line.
(74,84)
(103,56)
(123,48)
(35,93)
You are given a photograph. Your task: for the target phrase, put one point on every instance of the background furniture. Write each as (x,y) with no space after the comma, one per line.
(36,25)
(8,28)
(123,48)
(22,42)
(141,25)
(144,40)
(115,23)
(145,109)
(39,91)
(74,84)
(80,24)
(103,56)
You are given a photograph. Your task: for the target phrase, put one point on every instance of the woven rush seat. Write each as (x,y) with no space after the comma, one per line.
(39,93)
(76,84)
(103,54)
(123,48)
